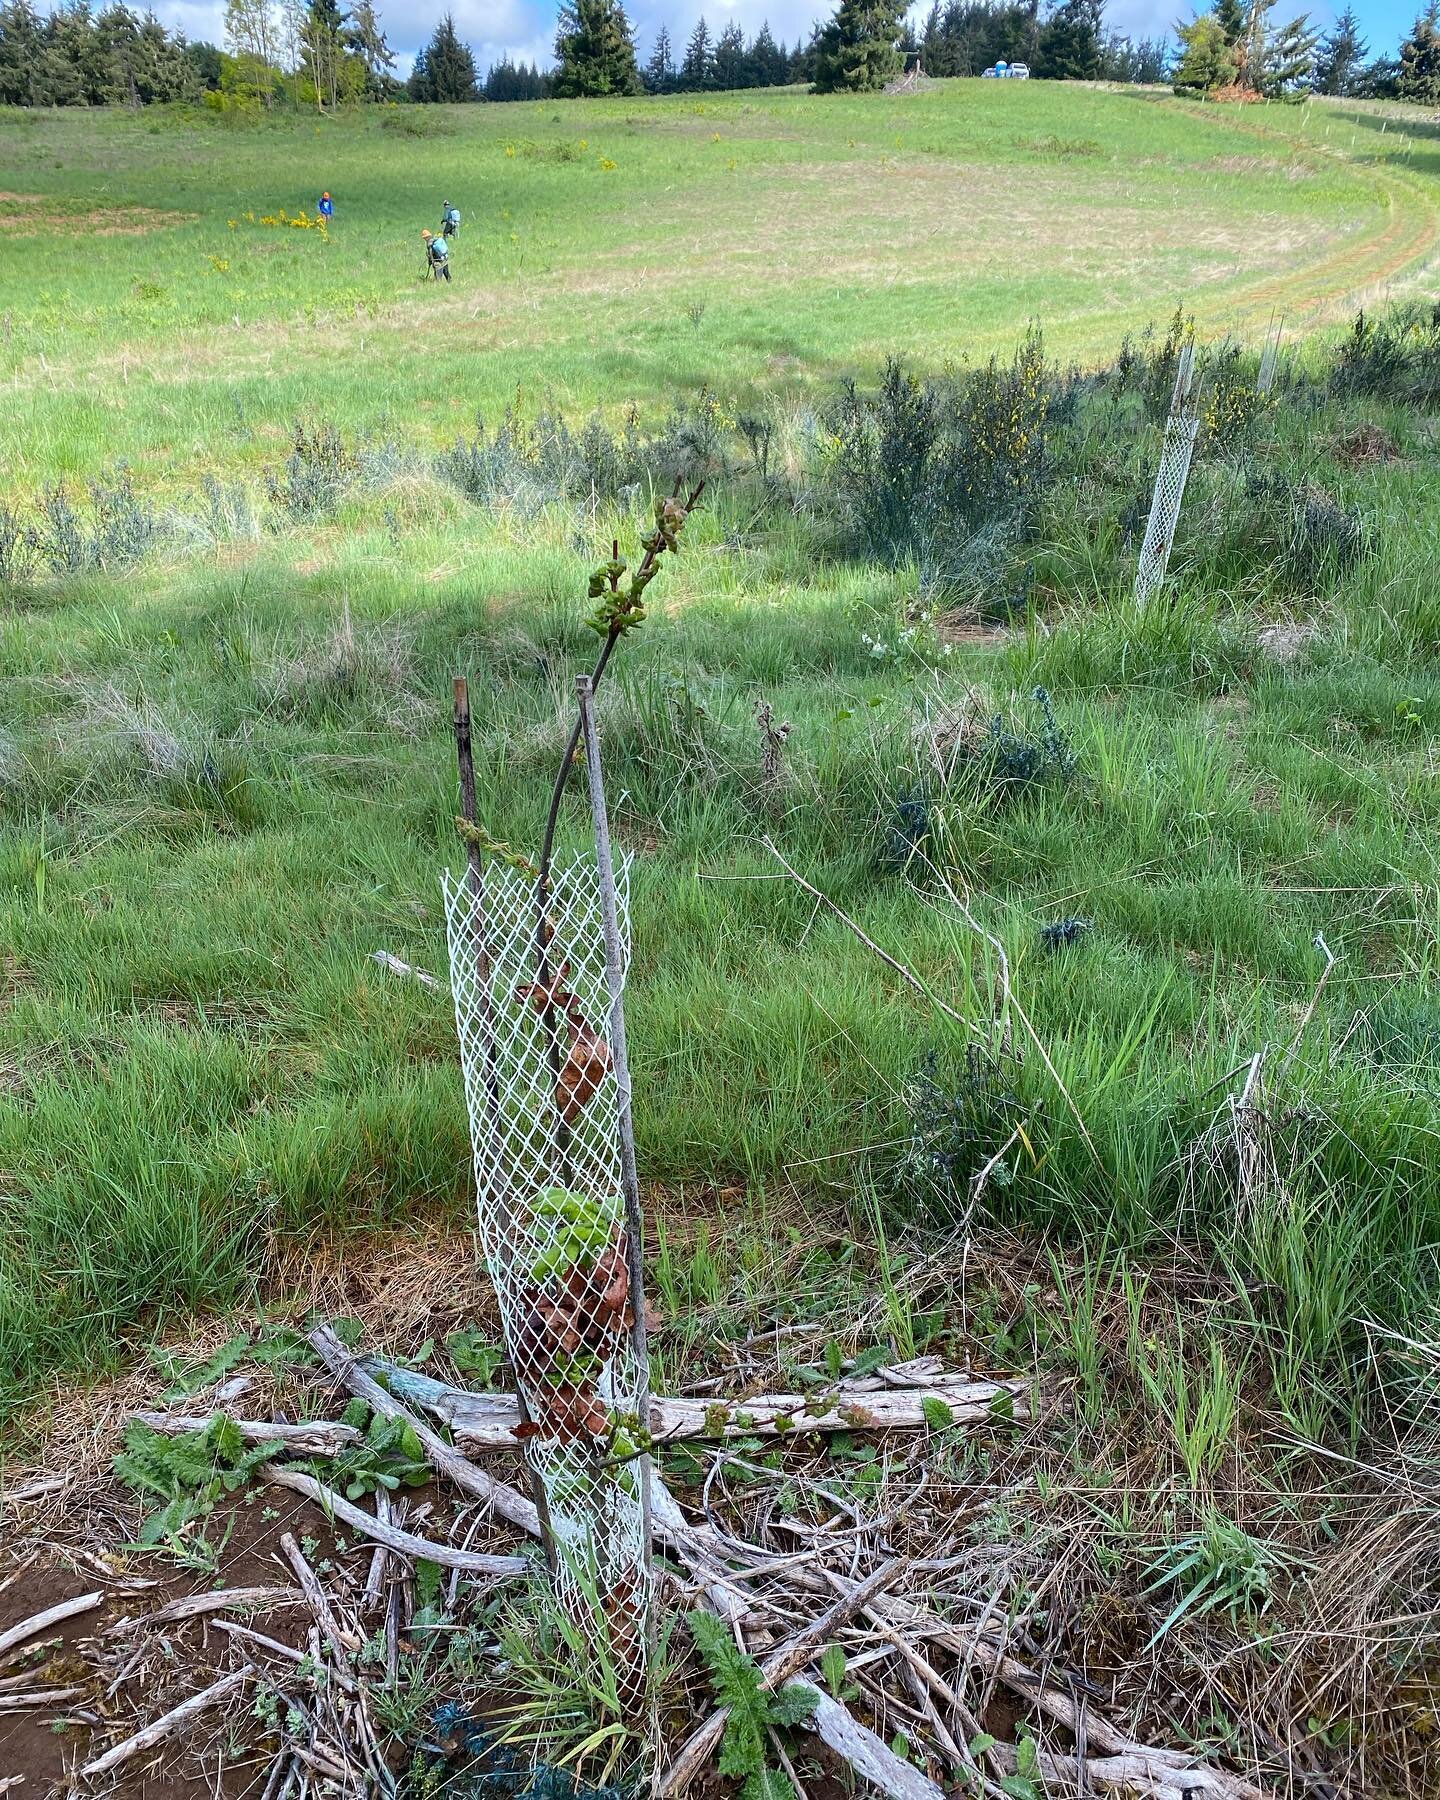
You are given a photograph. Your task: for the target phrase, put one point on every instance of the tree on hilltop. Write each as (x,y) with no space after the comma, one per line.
(659,72)
(594,50)
(363,38)
(1341,57)
(444,70)
(1069,46)
(697,67)
(1207,58)
(730,67)
(855,53)
(1419,76)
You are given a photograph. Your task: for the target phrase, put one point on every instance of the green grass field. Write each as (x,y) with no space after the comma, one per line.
(227,779)
(818,235)
(226,770)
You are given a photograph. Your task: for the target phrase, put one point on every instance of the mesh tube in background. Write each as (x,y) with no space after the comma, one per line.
(1174,471)
(552,1218)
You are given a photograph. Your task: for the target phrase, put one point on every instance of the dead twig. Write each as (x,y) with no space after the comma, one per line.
(167,1724)
(472,1562)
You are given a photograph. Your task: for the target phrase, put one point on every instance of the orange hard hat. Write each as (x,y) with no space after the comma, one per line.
(326,194)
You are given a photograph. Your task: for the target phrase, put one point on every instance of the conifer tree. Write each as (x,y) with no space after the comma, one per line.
(729,65)
(363,37)
(767,60)
(1207,59)
(594,51)
(1341,57)
(1419,77)
(697,71)
(1069,47)
(855,53)
(444,69)
(660,70)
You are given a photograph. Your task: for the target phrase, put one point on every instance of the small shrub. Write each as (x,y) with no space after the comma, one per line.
(14,547)
(1062,932)
(318,470)
(56,537)
(415,122)
(1396,357)
(1231,402)
(1012,755)
(957,1122)
(125,526)
(924,469)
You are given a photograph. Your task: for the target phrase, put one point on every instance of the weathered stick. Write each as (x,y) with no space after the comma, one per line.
(194,1606)
(39,1697)
(42,1621)
(342,1642)
(506,1501)
(487,1421)
(375,1579)
(167,1724)
(395,967)
(319,1438)
(471,1562)
(868,1755)
(1130,1772)
(287,1651)
(620,1061)
(907,975)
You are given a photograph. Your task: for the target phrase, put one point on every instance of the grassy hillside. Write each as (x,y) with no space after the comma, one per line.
(150,314)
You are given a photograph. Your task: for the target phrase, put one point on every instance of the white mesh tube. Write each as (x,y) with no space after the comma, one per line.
(542,1096)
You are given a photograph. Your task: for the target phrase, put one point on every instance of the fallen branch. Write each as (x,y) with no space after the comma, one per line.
(40,1697)
(194,1606)
(868,1755)
(309,1439)
(470,1562)
(167,1724)
(343,1643)
(892,1400)
(1129,1772)
(42,1621)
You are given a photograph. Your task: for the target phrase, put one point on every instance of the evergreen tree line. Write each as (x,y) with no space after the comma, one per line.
(321,53)
(1239,46)
(1068,43)
(73,57)
(298,52)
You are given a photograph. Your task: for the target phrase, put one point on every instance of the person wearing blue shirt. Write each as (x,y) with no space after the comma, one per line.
(327,208)
(449,220)
(437,256)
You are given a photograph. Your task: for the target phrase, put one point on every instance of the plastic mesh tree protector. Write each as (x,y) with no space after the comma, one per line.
(543,1099)
(1181,429)
(1270,359)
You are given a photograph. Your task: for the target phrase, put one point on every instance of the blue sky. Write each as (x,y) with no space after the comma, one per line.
(525,29)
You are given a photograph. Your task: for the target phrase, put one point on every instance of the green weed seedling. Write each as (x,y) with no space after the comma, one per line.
(754,1711)
(190,1474)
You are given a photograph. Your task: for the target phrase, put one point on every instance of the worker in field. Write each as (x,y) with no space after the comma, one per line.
(449,220)
(437,256)
(327,208)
